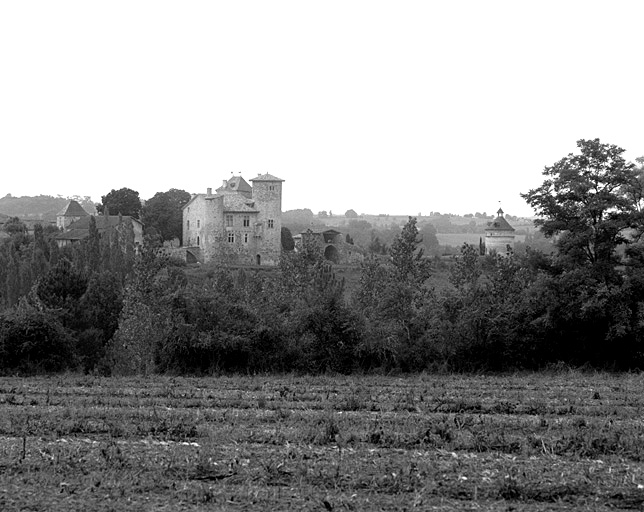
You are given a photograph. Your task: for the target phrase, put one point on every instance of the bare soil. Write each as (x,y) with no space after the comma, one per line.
(560,441)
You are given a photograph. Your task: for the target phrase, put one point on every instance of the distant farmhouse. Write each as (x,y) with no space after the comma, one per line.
(499,236)
(239,224)
(72,212)
(74,221)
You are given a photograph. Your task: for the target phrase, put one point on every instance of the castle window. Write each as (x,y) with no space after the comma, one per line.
(198,223)
(229,221)
(231,237)
(271,187)
(246,221)
(271,223)
(245,238)
(197,240)
(188,224)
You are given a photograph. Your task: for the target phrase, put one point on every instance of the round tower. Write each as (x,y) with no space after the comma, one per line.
(499,236)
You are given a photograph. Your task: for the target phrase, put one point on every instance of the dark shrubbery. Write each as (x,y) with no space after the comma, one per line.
(34,341)
(495,314)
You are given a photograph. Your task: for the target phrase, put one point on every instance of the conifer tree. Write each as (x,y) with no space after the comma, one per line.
(54,253)
(93,246)
(13,278)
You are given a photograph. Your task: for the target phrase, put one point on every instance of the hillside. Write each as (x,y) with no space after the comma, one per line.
(40,207)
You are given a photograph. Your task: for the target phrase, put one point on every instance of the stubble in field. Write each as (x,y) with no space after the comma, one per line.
(532,442)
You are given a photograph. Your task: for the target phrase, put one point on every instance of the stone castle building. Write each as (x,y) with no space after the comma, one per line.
(238,224)
(499,236)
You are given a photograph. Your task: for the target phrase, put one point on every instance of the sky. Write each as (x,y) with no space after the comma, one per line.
(399,107)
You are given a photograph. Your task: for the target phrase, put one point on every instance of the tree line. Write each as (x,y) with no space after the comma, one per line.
(102,308)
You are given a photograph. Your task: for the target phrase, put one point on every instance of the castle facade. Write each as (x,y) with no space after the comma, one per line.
(238,224)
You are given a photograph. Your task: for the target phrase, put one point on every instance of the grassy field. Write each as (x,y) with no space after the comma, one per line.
(458,239)
(565,441)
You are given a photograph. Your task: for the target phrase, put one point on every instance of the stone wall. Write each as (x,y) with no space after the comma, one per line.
(268,230)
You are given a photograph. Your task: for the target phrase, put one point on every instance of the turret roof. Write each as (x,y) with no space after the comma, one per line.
(499,224)
(266,177)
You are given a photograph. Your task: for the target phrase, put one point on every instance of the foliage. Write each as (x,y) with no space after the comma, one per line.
(429,240)
(110,309)
(389,296)
(146,318)
(123,201)
(100,307)
(288,244)
(585,203)
(164,212)
(14,226)
(61,289)
(407,256)
(33,340)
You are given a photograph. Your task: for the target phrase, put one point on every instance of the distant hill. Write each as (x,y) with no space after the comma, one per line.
(40,207)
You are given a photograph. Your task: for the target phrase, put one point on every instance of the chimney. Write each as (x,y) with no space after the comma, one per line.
(209,191)
(225,183)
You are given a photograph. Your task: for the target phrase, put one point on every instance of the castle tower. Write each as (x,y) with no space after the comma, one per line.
(267,196)
(499,236)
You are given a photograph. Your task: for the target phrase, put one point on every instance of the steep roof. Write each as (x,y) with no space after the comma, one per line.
(266,177)
(193,199)
(72,209)
(79,229)
(73,234)
(499,224)
(102,221)
(238,203)
(236,184)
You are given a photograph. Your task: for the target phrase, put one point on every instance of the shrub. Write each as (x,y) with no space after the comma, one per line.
(32,341)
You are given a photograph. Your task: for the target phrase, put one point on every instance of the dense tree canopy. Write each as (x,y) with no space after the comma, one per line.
(586,202)
(288,244)
(164,213)
(123,201)
(15,226)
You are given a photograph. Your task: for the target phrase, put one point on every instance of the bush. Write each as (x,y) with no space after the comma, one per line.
(33,341)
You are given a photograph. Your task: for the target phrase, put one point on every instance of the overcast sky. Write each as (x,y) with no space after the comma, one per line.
(393,107)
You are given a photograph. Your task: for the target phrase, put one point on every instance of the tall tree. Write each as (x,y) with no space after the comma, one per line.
(407,255)
(12,277)
(123,201)
(427,232)
(164,212)
(584,203)
(288,244)
(93,247)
